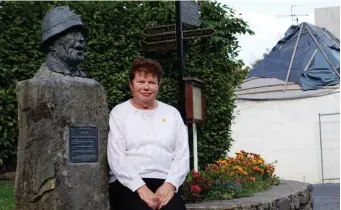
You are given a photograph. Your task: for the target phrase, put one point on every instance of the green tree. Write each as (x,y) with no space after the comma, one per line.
(114,40)
(256,62)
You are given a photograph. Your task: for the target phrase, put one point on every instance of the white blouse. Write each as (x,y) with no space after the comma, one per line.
(147,144)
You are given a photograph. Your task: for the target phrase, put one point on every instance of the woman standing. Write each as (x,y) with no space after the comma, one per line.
(148,150)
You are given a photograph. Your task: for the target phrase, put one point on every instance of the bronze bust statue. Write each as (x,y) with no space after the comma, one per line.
(63,41)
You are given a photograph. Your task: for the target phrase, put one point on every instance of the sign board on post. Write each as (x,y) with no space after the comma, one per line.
(190,13)
(159,38)
(190,34)
(158,29)
(194,100)
(194,110)
(160,46)
(163,38)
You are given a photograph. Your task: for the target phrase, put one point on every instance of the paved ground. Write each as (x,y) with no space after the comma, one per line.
(326,196)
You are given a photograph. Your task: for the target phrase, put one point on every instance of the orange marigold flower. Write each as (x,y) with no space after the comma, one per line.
(256,155)
(257,169)
(260,161)
(252,178)
(222,162)
(237,168)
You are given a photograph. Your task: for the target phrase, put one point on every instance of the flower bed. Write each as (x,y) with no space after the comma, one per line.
(233,177)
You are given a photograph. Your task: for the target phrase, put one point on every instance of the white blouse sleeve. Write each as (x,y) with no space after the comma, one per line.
(125,172)
(180,165)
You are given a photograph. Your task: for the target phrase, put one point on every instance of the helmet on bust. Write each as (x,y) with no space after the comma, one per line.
(56,21)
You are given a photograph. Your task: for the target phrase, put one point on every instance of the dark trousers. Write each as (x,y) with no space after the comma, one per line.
(122,198)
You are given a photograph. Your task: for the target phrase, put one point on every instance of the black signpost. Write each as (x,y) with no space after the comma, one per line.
(167,37)
(180,52)
(164,38)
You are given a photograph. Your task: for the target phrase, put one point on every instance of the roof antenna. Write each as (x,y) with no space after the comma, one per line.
(292,15)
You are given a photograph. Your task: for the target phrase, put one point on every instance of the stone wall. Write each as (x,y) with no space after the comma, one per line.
(289,195)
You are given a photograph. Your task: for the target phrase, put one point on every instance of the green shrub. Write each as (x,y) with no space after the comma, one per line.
(114,40)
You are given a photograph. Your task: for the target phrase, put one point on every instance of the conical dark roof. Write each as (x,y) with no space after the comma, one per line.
(307,55)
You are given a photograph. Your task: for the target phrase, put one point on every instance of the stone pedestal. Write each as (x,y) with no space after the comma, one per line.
(63,128)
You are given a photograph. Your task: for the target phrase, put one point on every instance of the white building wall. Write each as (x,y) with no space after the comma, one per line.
(329,18)
(288,131)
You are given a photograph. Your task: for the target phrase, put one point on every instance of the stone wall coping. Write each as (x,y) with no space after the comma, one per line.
(285,189)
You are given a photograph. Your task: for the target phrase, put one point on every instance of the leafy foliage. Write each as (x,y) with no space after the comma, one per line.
(256,62)
(114,40)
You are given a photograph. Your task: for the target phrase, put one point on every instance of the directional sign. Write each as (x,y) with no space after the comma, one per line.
(158,29)
(190,13)
(161,46)
(191,34)
(159,37)
(163,38)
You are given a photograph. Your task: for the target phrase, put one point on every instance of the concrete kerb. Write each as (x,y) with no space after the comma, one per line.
(288,195)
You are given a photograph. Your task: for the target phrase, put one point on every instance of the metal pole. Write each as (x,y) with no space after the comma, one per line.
(335,113)
(292,57)
(324,54)
(195,147)
(331,39)
(310,60)
(180,52)
(292,17)
(321,147)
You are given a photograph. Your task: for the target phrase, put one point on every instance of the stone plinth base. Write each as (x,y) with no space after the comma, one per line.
(48,106)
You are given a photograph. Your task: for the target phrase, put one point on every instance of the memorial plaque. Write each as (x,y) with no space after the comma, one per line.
(83,145)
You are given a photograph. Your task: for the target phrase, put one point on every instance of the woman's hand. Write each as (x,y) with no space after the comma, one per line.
(148,197)
(165,193)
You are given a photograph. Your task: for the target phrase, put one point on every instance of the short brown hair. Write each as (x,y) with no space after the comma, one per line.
(147,66)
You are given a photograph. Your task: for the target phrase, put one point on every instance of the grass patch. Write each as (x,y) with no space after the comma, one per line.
(7,196)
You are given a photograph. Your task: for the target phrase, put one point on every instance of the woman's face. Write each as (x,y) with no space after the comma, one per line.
(144,87)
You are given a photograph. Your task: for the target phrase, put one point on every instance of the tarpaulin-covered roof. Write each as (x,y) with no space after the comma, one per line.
(307,55)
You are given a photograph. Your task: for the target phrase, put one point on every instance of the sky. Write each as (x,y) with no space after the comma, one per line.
(270,19)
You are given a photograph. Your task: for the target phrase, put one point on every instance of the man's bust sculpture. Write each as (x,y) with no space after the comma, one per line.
(63,42)
(65,116)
